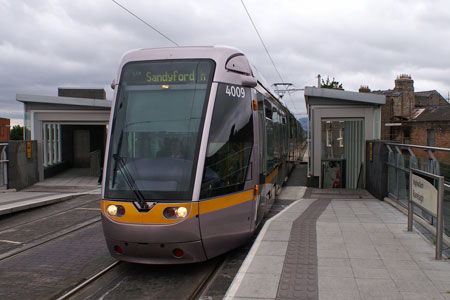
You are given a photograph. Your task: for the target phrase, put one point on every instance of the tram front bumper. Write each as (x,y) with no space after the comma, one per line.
(147,253)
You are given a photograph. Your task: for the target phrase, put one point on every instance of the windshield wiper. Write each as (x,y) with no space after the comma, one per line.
(119,146)
(130,181)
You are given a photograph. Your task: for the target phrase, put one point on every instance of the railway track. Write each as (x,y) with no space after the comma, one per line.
(110,282)
(28,234)
(189,281)
(86,282)
(208,278)
(48,238)
(50,215)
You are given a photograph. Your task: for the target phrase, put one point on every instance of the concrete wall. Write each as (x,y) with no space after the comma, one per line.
(22,171)
(376,169)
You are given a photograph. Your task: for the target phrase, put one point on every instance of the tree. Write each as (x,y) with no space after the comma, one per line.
(331,84)
(16,133)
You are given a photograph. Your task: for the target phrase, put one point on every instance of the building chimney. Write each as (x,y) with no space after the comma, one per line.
(405,85)
(364,89)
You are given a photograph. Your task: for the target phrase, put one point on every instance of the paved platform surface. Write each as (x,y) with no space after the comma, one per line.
(69,184)
(340,244)
(328,244)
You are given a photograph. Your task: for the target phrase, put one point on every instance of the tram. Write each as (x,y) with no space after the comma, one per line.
(198,148)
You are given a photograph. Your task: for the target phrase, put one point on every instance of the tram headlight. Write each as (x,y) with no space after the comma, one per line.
(175,212)
(181,212)
(115,210)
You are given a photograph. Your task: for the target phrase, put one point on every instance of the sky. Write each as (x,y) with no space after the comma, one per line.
(46,44)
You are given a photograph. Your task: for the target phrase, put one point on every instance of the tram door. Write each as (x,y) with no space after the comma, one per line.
(261,201)
(228,187)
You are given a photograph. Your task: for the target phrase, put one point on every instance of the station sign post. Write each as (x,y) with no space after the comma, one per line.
(426,190)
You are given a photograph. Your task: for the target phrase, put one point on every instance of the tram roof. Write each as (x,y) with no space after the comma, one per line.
(217,53)
(232,65)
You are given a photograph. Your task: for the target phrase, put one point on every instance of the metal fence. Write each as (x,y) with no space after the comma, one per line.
(401,158)
(3,166)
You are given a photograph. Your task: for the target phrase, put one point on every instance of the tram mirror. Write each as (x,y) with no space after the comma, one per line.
(249,81)
(113,84)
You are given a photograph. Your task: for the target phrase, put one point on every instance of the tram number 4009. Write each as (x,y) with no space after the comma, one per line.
(235,91)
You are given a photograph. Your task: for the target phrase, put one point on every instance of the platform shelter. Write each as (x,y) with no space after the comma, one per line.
(71,131)
(339,124)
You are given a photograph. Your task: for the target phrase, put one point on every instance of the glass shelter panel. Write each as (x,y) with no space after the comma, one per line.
(342,153)
(447,209)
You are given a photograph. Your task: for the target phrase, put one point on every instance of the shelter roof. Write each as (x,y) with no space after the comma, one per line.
(334,96)
(55,100)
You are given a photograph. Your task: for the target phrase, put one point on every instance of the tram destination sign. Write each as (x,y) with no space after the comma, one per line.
(424,194)
(175,72)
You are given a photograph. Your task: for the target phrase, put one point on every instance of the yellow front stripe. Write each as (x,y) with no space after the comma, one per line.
(225,202)
(155,215)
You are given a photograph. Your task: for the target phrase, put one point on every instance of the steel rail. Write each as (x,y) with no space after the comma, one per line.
(207,279)
(87,281)
(50,215)
(49,238)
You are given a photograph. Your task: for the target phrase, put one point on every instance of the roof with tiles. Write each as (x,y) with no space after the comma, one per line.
(432,113)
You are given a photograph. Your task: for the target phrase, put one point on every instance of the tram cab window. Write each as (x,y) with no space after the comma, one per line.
(230,143)
(157,127)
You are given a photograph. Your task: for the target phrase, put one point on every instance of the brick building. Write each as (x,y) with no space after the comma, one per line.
(417,118)
(4,129)
(429,126)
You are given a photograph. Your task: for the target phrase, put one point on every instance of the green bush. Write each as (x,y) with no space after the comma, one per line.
(16,133)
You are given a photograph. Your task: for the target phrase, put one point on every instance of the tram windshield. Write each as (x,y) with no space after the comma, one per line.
(156,130)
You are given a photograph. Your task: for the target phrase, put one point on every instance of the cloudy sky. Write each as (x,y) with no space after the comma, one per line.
(46,44)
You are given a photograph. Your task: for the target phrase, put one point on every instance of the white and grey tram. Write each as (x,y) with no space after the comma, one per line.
(197,150)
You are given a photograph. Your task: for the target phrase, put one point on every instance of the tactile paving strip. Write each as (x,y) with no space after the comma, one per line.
(299,278)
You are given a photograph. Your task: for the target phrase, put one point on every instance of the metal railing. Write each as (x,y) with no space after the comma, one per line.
(401,158)
(3,166)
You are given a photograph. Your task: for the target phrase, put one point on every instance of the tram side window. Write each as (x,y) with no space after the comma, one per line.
(270,133)
(262,134)
(277,137)
(268,109)
(292,134)
(285,138)
(230,143)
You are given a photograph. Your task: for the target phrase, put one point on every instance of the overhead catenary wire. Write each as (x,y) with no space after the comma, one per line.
(137,17)
(265,48)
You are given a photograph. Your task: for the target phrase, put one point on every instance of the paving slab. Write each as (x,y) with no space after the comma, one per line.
(362,251)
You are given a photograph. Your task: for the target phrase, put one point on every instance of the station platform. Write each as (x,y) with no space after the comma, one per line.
(327,244)
(69,184)
(339,244)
